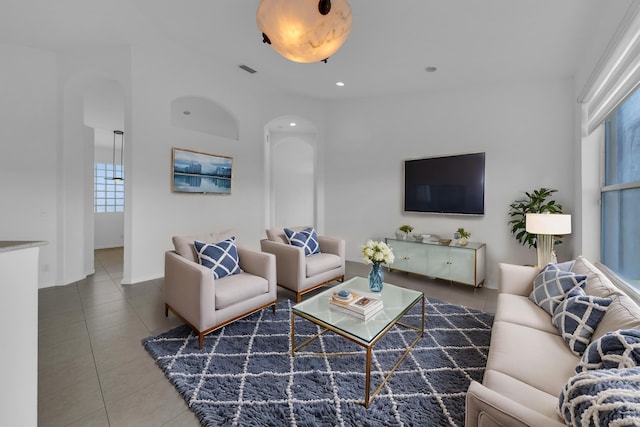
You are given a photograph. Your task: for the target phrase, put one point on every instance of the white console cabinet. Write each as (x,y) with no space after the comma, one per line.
(461,264)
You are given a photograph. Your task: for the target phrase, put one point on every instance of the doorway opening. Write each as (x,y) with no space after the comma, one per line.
(291,157)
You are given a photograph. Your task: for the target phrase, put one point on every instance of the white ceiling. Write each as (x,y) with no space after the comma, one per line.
(391,42)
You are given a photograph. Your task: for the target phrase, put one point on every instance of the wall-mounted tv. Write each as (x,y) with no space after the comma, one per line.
(446,185)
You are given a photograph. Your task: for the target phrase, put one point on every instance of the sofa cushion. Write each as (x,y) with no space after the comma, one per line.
(276,235)
(623,313)
(221,257)
(603,397)
(319,263)
(183,245)
(577,318)
(551,286)
(614,350)
(306,239)
(522,311)
(237,288)
(597,283)
(523,393)
(540,359)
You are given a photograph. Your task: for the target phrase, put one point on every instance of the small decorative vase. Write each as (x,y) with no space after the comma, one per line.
(463,241)
(375,278)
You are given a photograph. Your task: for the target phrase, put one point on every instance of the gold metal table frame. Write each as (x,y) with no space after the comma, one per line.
(367,345)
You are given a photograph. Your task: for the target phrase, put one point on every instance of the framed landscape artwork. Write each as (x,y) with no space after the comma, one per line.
(195,172)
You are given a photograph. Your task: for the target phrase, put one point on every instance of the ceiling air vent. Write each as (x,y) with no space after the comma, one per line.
(247,68)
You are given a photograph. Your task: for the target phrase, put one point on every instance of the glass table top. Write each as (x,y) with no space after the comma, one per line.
(395,302)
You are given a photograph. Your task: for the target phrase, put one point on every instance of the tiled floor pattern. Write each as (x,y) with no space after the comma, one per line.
(92,370)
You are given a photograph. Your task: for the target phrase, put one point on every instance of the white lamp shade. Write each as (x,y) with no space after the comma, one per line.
(299,32)
(547,223)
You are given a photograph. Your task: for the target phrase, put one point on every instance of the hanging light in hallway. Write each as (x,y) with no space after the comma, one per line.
(117,174)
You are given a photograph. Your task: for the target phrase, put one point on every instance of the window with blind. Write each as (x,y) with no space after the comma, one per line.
(621,191)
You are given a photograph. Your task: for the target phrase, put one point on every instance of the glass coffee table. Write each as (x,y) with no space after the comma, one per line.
(397,302)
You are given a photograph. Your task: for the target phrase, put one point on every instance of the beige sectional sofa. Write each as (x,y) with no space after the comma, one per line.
(529,362)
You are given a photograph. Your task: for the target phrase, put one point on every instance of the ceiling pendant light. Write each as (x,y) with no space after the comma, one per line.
(117,173)
(304,30)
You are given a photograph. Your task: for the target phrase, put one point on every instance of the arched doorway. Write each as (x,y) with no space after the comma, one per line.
(104,113)
(291,168)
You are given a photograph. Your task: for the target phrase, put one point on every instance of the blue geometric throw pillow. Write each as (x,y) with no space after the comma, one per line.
(551,286)
(614,350)
(221,257)
(306,239)
(577,317)
(603,397)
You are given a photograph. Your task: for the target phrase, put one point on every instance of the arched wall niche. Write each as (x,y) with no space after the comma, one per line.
(291,165)
(204,115)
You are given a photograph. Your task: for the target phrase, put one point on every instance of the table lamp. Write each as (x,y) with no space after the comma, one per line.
(545,226)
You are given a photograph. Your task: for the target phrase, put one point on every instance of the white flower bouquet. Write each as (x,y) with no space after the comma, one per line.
(377,253)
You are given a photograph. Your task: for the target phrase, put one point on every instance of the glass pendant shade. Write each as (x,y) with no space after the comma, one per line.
(299,31)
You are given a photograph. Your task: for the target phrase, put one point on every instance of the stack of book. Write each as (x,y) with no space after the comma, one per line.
(362,307)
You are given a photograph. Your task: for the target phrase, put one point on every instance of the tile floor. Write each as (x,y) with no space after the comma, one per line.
(92,369)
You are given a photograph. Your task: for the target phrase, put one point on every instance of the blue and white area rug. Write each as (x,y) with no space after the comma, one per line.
(245,375)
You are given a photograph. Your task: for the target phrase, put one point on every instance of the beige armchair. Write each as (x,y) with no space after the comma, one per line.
(300,273)
(205,303)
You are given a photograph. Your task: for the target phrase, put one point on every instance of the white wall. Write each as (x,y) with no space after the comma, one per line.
(28,166)
(160,75)
(525,128)
(45,171)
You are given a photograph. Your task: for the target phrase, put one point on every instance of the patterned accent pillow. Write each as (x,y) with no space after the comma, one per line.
(567,265)
(604,397)
(614,350)
(306,239)
(577,317)
(551,285)
(221,258)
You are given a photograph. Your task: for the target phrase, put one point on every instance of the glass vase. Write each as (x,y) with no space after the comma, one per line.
(375,278)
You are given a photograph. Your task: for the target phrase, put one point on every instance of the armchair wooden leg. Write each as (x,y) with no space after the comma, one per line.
(201,338)
(166,310)
(274,308)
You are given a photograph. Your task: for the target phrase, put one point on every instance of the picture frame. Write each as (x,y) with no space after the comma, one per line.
(200,173)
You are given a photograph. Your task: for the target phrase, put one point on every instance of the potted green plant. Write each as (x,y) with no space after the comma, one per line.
(406,229)
(538,201)
(464,236)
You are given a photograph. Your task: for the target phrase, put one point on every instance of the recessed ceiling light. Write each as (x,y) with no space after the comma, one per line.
(340,84)
(431,69)
(292,124)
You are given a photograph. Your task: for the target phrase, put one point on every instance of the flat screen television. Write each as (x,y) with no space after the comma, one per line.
(446,185)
